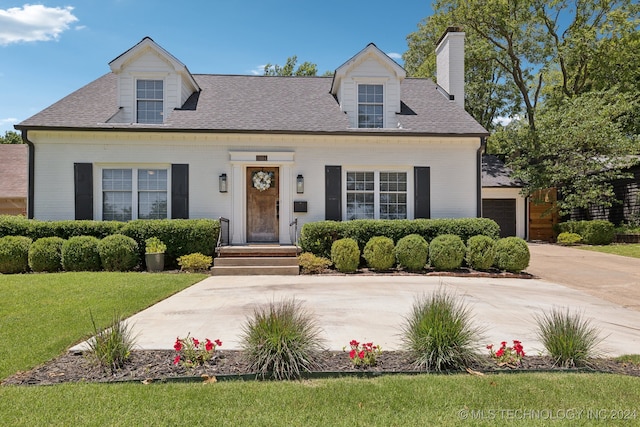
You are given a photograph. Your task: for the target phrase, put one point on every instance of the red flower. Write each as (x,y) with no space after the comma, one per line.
(195,342)
(500,352)
(176,360)
(208,345)
(178,344)
(490,346)
(503,343)
(354,343)
(218,343)
(352,354)
(361,355)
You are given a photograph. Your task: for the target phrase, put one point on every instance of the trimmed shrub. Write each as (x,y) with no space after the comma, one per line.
(14,254)
(596,232)
(118,253)
(481,252)
(378,252)
(317,237)
(312,264)
(512,254)
(80,253)
(446,252)
(36,229)
(282,340)
(568,239)
(569,338)
(195,262)
(45,254)
(181,236)
(440,334)
(345,255)
(412,252)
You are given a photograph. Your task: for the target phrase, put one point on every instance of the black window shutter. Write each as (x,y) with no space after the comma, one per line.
(422,192)
(180,191)
(333,193)
(83,187)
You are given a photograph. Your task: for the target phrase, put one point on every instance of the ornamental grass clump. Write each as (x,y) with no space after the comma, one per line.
(111,347)
(281,340)
(569,338)
(440,333)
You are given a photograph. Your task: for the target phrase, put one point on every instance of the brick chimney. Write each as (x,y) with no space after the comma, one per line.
(450,63)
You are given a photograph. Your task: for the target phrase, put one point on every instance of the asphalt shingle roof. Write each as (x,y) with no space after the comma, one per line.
(496,174)
(229,103)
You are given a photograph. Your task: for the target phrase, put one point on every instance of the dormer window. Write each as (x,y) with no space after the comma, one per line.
(370,106)
(149,101)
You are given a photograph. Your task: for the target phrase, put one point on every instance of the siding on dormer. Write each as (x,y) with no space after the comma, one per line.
(370,71)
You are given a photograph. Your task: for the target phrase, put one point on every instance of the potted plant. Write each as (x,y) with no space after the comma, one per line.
(154,254)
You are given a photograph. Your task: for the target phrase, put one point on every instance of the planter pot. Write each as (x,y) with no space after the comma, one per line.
(155,262)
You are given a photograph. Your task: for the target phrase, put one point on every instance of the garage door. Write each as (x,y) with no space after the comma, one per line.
(502,211)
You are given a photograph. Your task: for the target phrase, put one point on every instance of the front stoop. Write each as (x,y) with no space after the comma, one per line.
(252,260)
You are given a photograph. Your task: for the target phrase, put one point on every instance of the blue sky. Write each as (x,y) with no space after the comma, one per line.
(50,49)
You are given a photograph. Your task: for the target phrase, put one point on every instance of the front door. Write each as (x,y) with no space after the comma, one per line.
(262,205)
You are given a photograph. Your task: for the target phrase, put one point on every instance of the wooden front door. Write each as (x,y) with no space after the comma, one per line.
(263,205)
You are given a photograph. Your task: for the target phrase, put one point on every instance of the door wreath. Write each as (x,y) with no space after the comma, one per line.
(262,180)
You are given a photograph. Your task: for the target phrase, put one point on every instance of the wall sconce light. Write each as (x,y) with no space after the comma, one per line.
(222,183)
(300,184)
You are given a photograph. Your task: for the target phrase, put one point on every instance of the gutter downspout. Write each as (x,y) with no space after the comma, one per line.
(31,174)
(483,145)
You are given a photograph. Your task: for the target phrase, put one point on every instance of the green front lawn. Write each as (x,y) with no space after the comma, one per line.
(624,249)
(424,400)
(41,315)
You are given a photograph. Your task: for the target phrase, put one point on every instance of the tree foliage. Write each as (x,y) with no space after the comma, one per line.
(11,137)
(289,69)
(565,71)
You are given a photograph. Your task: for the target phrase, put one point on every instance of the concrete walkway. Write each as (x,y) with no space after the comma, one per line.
(372,308)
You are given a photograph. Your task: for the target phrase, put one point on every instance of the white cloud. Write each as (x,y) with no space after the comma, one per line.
(394,55)
(258,71)
(8,121)
(34,23)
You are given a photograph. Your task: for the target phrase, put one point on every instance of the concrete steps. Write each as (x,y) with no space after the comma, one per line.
(254,260)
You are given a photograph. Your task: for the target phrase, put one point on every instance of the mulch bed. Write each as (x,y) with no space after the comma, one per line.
(157,366)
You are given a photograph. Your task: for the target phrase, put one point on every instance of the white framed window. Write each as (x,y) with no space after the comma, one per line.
(376,195)
(134,193)
(370,105)
(149,101)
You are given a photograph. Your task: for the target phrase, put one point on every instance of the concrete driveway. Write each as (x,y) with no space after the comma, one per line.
(373,308)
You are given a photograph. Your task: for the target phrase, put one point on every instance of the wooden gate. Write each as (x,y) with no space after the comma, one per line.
(543,215)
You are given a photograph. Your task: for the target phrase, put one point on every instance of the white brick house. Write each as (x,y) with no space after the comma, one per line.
(151,140)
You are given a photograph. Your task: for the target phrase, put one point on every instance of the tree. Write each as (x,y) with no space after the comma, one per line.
(529,41)
(583,145)
(488,95)
(11,137)
(566,70)
(289,69)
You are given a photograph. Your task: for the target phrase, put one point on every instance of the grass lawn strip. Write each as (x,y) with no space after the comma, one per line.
(444,400)
(624,249)
(44,314)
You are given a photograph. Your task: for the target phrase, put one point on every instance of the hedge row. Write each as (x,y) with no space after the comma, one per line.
(182,236)
(595,232)
(317,237)
(445,252)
